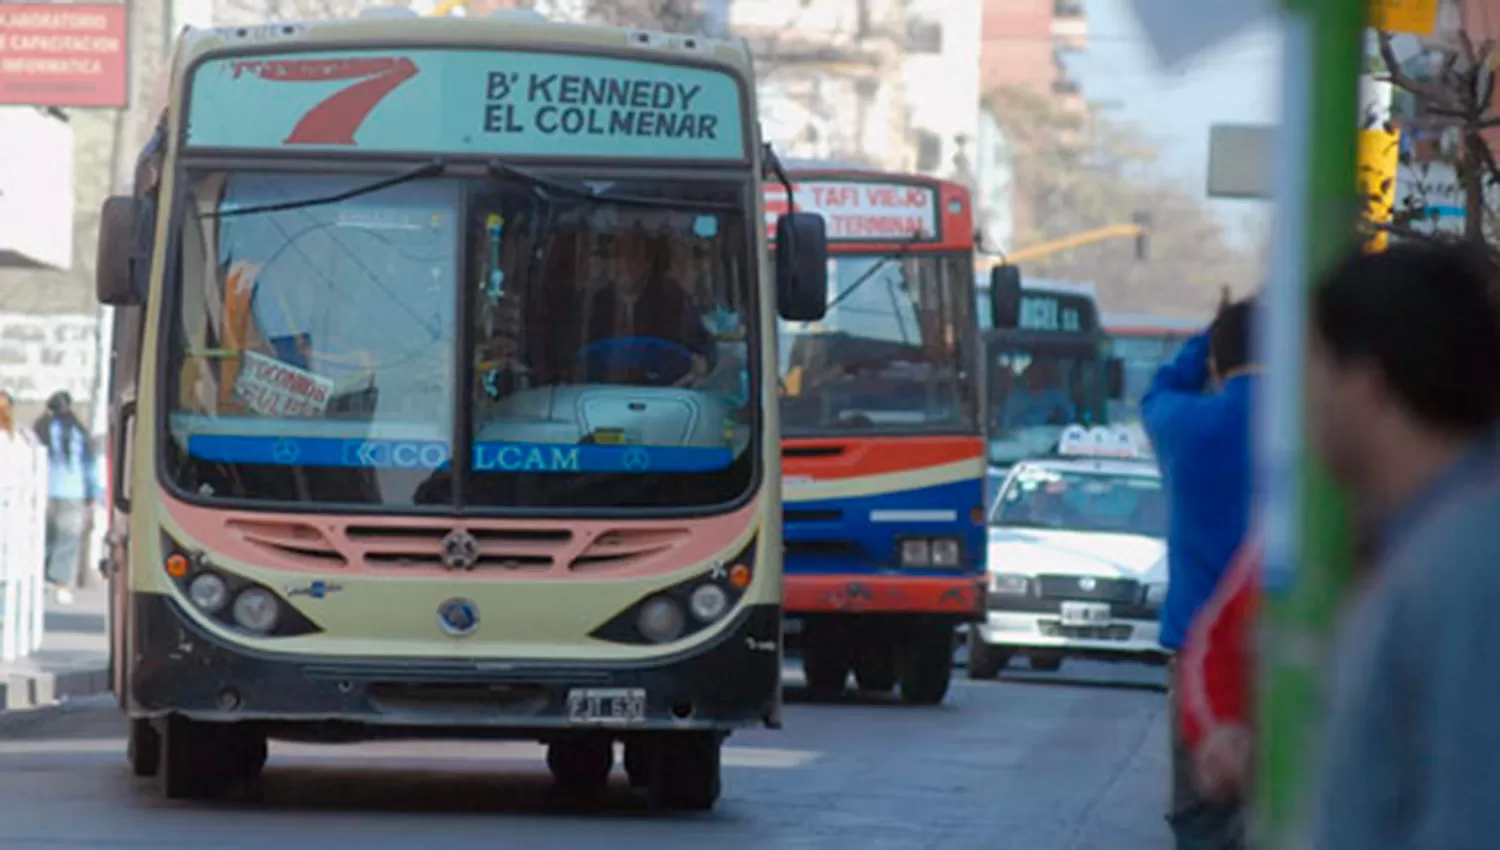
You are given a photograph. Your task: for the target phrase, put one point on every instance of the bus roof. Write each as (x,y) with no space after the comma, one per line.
(1043,284)
(498,31)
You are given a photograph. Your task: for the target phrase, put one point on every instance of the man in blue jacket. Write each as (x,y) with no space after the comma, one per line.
(1197,415)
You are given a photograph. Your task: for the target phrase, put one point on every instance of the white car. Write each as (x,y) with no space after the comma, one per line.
(1077,565)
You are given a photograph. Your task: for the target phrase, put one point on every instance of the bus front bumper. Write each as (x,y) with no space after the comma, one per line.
(180,669)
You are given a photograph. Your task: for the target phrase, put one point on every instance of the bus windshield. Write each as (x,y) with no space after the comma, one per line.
(1034,394)
(1082,501)
(314,356)
(1142,354)
(894,352)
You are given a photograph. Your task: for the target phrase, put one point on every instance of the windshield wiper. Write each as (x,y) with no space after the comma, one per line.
(899,254)
(434,168)
(544,183)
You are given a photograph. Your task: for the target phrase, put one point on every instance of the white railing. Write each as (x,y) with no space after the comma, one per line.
(23,547)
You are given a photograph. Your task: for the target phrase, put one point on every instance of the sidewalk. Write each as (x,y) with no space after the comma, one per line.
(73,661)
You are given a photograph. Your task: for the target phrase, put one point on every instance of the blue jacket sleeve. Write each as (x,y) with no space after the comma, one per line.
(1173,408)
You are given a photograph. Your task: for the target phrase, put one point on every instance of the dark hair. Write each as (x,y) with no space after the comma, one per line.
(1230,337)
(1426,317)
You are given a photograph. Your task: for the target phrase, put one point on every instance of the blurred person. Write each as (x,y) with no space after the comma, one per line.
(644,301)
(71,494)
(1039,400)
(1197,416)
(1403,404)
(8,417)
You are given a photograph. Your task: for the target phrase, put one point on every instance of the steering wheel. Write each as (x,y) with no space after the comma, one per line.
(662,362)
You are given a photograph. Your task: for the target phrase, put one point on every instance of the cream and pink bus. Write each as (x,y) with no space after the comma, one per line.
(445,400)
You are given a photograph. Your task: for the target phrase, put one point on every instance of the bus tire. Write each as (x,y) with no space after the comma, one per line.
(826,669)
(581,766)
(143,748)
(689,777)
(194,764)
(985,661)
(924,664)
(875,668)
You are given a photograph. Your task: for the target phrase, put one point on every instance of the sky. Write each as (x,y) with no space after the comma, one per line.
(1235,83)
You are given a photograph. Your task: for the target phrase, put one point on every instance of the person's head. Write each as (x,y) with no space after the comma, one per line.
(1230,339)
(59,403)
(1401,360)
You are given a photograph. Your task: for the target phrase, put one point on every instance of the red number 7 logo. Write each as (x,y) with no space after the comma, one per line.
(336,119)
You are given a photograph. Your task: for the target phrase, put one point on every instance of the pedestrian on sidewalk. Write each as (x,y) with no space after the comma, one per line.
(72,492)
(1197,416)
(8,431)
(1404,403)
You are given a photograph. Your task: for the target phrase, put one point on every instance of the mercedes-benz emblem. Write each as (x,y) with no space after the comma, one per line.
(636,459)
(460,550)
(458,617)
(1087,583)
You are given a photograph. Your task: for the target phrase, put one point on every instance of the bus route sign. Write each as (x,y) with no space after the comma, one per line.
(487,102)
(1056,312)
(863,211)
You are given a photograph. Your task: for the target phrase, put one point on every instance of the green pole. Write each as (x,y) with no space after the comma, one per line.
(1306,517)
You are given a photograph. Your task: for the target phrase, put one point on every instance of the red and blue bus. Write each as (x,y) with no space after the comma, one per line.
(882,436)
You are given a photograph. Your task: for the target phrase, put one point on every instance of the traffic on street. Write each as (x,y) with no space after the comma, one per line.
(1069,760)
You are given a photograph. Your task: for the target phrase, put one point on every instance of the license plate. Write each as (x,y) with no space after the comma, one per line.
(607,706)
(1085,613)
(791,625)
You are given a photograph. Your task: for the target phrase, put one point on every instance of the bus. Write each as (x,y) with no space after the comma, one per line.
(1048,364)
(882,450)
(1144,344)
(422,428)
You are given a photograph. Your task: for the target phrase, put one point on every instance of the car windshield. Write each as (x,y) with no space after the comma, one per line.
(314,353)
(1037,497)
(1034,394)
(895,351)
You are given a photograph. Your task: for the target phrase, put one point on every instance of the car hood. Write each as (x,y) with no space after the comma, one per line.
(1033,551)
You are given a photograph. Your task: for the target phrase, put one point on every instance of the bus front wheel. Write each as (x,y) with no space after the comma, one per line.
(686,773)
(143,748)
(199,760)
(924,665)
(581,765)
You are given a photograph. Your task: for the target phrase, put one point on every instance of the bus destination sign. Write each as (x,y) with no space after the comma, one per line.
(858,211)
(1056,312)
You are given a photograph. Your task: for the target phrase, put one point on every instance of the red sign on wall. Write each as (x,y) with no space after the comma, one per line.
(64,55)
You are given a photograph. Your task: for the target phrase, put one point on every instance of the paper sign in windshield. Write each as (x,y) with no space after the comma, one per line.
(862,212)
(492,102)
(272,388)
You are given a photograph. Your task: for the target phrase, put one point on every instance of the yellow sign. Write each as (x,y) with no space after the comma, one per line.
(1417,17)
(1379,159)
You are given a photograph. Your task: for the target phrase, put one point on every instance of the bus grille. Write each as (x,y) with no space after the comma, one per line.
(398,546)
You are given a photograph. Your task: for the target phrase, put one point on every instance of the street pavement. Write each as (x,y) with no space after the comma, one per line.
(1058,761)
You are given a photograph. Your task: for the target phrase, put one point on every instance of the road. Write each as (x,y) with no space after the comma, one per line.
(1062,761)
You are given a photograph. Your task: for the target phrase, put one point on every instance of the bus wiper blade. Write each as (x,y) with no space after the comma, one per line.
(898,254)
(431,169)
(542,182)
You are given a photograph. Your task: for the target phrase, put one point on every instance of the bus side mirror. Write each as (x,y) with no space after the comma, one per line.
(1005,296)
(1114,378)
(801,267)
(121,261)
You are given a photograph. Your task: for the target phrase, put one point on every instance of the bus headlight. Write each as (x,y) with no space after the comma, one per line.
(208,592)
(946,552)
(1155,594)
(930,552)
(256,610)
(661,620)
(1009,585)
(708,603)
(916,552)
